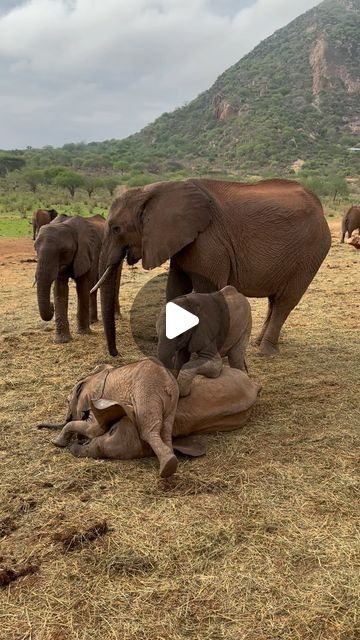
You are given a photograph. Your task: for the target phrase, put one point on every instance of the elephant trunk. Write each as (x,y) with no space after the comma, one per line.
(109,297)
(50,425)
(46,273)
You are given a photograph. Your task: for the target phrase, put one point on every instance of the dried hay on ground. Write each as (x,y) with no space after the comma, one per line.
(257,540)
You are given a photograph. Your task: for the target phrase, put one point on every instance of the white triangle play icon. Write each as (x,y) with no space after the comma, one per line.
(178,320)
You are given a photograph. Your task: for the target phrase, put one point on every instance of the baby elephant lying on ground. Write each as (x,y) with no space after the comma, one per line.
(220,404)
(224,330)
(145,392)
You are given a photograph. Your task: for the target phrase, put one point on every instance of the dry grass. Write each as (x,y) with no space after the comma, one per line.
(258,540)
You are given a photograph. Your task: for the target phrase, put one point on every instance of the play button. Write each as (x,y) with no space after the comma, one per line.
(178,320)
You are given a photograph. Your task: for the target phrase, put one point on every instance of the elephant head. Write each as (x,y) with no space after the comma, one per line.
(52,213)
(62,250)
(151,224)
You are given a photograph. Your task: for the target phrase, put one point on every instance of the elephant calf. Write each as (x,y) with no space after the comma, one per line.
(40,218)
(69,248)
(224,330)
(145,392)
(221,404)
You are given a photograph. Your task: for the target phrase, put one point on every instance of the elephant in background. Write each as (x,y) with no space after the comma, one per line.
(69,249)
(145,392)
(220,404)
(350,222)
(224,330)
(40,218)
(61,218)
(267,239)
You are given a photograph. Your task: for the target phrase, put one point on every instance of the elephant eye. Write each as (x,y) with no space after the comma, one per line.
(116,230)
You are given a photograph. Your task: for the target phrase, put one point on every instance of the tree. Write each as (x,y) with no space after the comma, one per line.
(10,162)
(91,183)
(110,184)
(70,180)
(122,166)
(51,173)
(33,177)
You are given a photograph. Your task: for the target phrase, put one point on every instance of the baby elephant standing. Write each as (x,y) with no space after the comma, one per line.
(144,391)
(224,330)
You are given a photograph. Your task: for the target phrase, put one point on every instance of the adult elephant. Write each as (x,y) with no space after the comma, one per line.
(40,218)
(69,249)
(267,239)
(350,222)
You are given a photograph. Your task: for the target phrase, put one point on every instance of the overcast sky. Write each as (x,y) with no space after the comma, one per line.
(73,70)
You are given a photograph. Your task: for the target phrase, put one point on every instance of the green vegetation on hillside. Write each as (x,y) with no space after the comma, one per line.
(291,106)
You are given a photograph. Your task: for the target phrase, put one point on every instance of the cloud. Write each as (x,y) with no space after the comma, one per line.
(93,69)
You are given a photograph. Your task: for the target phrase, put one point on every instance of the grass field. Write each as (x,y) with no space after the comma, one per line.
(258,540)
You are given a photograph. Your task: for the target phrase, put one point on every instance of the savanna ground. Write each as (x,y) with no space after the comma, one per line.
(258,540)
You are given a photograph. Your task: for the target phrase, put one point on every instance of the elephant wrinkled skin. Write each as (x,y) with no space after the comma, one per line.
(267,239)
(68,249)
(145,392)
(219,404)
(224,330)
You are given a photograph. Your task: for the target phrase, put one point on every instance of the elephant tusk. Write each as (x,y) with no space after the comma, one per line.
(104,277)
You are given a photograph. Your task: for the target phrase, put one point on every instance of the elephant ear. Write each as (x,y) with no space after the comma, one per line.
(87,240)
(107,411)
(173,216)
(189,446)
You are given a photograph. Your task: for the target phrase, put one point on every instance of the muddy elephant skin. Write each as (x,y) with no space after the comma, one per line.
(219,404)
(145,392)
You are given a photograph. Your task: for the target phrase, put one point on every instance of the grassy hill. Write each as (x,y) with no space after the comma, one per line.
(291,104)
(296,96)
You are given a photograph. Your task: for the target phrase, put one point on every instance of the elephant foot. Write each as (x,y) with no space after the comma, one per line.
(59,441)
(118,315)
(168,467)
(267,349)
(62,338)
(94,320)
(84,331)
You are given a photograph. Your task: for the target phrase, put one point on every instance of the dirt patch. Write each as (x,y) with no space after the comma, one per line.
(72,539)
(16,249)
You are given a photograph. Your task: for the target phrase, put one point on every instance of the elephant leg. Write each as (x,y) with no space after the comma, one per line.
(167,430)
(266,321)
(75,426)
(83,311)
(93,308)
(206,365)
(280,312)
(178,283)
(61,303)
(88,428)
(150,428)
(236,356)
